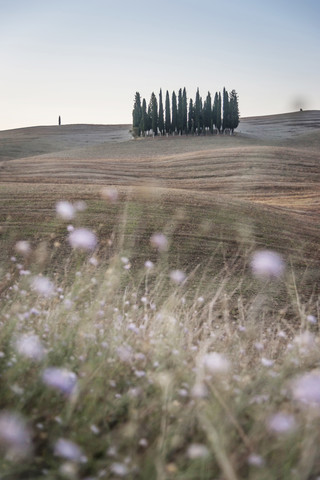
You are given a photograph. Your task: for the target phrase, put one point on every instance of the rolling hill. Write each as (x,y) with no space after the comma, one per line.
(260,186)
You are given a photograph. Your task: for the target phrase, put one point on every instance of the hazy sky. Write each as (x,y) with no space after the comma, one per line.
(84,60)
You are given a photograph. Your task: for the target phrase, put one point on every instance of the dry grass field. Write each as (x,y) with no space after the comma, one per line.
(260,186)
(193,356)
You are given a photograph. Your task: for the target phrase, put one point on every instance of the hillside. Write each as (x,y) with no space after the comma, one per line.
(260,186)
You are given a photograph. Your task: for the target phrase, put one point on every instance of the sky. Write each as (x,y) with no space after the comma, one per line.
(85,59)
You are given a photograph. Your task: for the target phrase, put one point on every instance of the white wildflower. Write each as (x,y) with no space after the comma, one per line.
(43,286)
(306,389)
(216,363)
(266,362)
(83,239)
(94,261)
(94,429)
(282,334)
(177,276)
(143,442)
(149,265)
(60,379)
(119,469)
(311,319)
(159,241)
(305,342)
(197,450)
(256,460)
(23,247)
(267,264)
(15,437)
(67,449)
(65,210)
(30,346)
(125,353)
(281,423)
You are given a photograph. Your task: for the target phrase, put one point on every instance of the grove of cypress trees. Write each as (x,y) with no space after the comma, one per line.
(174,112)
(160,119)
(199,117)
(168,114)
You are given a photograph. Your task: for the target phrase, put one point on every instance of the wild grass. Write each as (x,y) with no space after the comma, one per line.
(159,374)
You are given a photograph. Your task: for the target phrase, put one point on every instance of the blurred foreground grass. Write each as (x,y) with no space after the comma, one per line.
(119,364)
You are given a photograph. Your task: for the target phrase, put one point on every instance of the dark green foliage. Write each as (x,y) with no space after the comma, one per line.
(207,113)
(234,110)
(180,112)
(184,111)
(191,117)
(149,120)
(144,119)
(215,110)
(161,119)
(226,110)
(154,113)
(168,114)
(218,125)
(197,112)
(136,115)
(174,112)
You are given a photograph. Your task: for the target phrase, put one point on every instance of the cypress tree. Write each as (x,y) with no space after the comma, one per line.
(234,110)
(184,111)
(226,116)
(136,115)
(154,113)
(149,119)
(207,114)
(197,112)
(218,125)
(215,109)
(180,112)
(144,120)
(168,114)
(191,117)
(201,115)
(160,119)
(174,112)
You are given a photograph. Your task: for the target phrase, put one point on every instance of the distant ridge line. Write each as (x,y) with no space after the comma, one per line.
(272,115)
